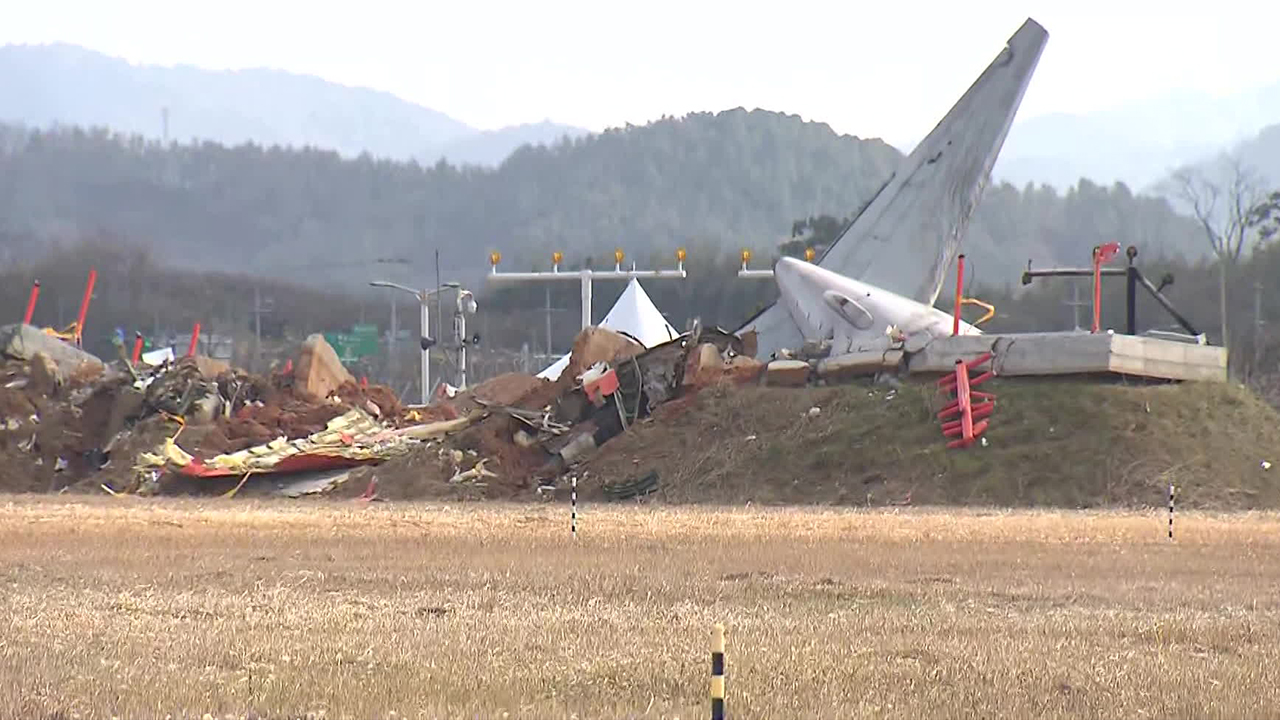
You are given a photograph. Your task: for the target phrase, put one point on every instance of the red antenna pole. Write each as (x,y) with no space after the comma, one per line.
(31,303)
(195,338)
(137,347)
(1097,289)
(84,305)
(955,320)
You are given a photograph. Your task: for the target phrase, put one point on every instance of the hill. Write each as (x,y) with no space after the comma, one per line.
(1137,144)
(1263,153)
(1121,446)
(66,85)
(712,182)
(490,148)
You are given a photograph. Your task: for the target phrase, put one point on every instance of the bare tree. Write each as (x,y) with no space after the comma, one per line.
(1226,204)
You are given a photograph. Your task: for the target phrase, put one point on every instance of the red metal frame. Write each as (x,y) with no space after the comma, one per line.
(137,347)
(971,422)
(31,303)
(955,318)
(1101,256)
(84,306)
(195,339)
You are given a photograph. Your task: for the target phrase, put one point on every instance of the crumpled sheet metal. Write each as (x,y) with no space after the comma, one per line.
(354,438)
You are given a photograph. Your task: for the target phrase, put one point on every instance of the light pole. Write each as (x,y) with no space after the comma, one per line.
(466,304)
(744,272)
(586,275)
(425,340)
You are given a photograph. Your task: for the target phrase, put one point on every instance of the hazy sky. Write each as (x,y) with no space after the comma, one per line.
(598,64)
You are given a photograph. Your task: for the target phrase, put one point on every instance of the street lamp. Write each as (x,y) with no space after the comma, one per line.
(425,341)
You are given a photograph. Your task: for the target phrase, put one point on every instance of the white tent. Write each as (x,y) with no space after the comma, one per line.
(634,314)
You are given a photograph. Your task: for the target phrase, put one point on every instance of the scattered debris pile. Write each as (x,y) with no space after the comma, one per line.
(70,421)
(196,426)
(625,421)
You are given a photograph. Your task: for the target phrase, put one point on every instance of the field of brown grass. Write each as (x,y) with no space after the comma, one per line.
(136,608)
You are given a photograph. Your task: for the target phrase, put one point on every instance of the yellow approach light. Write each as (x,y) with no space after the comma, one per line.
(680,254)
(556,257)
(810,254)
(618,255)
(746,256)
(494,258)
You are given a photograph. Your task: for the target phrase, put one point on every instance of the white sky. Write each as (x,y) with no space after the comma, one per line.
(599,64)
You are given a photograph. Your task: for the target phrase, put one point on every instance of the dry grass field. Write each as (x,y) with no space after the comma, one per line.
(136,609)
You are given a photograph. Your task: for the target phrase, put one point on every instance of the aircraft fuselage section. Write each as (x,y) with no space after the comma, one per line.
(852,314)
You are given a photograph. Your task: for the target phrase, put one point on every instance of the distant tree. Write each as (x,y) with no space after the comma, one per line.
(1226,204)
(1265,215)
(813,232)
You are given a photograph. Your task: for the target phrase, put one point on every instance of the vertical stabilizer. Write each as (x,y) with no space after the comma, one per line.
(905,240)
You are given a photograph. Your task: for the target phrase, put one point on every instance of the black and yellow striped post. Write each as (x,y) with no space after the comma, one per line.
(717,673)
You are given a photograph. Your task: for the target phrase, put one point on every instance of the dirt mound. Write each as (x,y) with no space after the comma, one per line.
(509,389)
(1065,443)
(425,472)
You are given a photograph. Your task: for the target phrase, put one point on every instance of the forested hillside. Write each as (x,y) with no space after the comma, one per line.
(710,182)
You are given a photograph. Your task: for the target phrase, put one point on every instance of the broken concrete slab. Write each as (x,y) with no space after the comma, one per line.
(319,372)
(1076,353)
(22,342)
(599,345)
(211,368)
(707,365)
(858,363)
(787,373)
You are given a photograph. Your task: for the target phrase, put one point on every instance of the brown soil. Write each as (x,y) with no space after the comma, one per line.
(509,389)
(425,472)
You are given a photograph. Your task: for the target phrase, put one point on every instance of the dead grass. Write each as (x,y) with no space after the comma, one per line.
(143,608)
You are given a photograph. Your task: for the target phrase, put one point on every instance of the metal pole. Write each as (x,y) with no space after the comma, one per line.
(717,672)
(35,294)
(955,316)
(257,328)
(1164,303)
(84,306)
(1097,289)
(424,341)
(548,320)
(1131,299)
(393,362)
(462,348)
(586,298)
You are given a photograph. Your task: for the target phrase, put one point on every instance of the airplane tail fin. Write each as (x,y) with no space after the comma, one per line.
(907,237)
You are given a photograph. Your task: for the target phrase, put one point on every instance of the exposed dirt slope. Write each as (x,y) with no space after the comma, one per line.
(1069,443)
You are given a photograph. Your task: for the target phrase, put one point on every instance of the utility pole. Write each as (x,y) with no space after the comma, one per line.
(466,305)
(258,309)
(1257,325)
(1075,304)
(586,275)
(393,362)
(425,340)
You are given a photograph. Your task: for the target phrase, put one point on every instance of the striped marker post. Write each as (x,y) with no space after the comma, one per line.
(573,506)
(1172,492)
(717,673)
